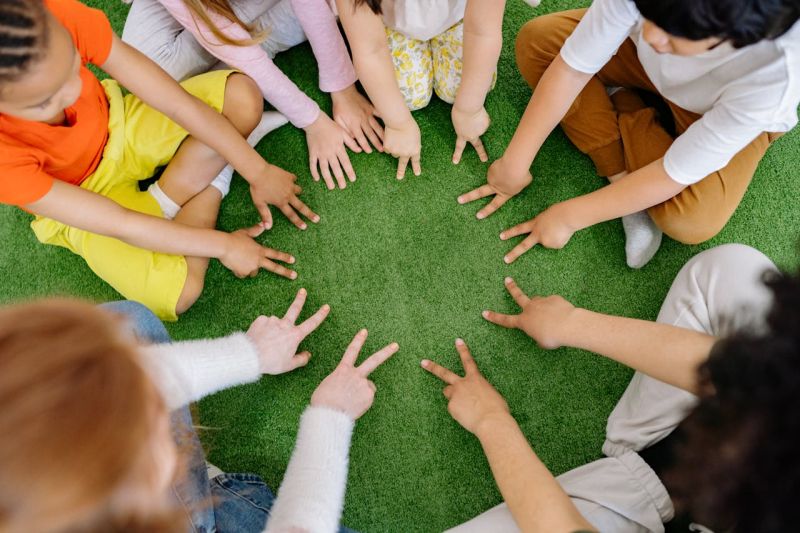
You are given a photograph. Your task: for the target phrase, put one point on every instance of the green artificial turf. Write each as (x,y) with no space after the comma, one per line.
(404,260)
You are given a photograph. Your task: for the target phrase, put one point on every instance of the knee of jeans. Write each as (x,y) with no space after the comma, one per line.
(535,47)
(144,322)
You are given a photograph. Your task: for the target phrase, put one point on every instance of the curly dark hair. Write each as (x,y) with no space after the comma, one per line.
(738,468)
(742,22)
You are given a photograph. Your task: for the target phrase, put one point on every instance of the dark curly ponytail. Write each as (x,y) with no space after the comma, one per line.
(23,36)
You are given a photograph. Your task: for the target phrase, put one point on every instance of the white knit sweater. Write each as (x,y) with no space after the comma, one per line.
(311,497)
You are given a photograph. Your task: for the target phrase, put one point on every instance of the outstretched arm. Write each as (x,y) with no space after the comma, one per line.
(664,352)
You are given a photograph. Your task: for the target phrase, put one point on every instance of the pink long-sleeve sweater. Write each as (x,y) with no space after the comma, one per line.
(318,21)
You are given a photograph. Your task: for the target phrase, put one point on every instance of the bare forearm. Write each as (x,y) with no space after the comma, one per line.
(170,237)
(635,192)
(536,500)
(667,353)
(376,72)
(483,40)
(551,100)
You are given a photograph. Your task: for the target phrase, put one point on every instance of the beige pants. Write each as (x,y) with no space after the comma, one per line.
(717,292)
(620,133)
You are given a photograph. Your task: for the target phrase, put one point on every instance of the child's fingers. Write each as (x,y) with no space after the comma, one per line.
(326,175)
(402,163)
(520,297)
(507,321)
(415,165)
(470,367)
(344,160)
(496,203)
(312,163)
(481,149)
(461,143)
(351,142)
(277,255)
(440,372)
(337,171)
(475,194)
(376,128)
(275,268)
(516,231)
(296,307)
(377,359)
(529,242)
(306,211)
(293,217)
(300,359)
(254,231)
(361,139)
(266,215)
(314,321)
(353,349)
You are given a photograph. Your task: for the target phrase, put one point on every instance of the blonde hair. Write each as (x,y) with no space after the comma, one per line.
(77,422)
(200,9)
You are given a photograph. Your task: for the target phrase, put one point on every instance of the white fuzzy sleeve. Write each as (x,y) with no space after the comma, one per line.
(189,370)
(311,496)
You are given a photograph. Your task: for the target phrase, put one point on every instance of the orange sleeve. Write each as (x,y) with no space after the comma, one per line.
(90,29)
(22,180)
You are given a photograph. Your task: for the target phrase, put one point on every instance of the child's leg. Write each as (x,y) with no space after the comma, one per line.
(195,165)
(413,68)
(276,17)
(153,31)
(447,50)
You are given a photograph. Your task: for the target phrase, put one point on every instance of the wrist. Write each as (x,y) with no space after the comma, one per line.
(492,423)
(574,327)
(343,94)
(575,213)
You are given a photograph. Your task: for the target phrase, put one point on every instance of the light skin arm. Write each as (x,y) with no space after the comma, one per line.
(373,63)
(483,40)
(97,214)
(269,185)
(667,353)
(507,176)
(536,500)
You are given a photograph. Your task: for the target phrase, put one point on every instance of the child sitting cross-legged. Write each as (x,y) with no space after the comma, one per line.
(73,151)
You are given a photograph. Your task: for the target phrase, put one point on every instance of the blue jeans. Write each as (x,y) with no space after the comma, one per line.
(230,502)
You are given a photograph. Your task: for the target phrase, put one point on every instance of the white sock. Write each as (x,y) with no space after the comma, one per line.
(168,206)
(642,239)
(270,120)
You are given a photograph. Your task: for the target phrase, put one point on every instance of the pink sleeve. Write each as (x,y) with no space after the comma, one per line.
(277,89)
(336,70)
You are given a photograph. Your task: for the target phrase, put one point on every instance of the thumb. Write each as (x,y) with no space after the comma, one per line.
(254,231)
(300,359)
(266,216)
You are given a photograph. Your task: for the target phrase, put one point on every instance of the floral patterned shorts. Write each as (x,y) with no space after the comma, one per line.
(422,67)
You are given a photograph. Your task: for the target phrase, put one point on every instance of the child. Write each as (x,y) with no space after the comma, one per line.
(187,37)
(724,70)
(72,151)
(87,416)
(427,39)
(725,351)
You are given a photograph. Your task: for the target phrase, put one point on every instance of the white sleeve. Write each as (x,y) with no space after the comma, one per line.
(600,33)
(311,496)
(186,371)
(709,144)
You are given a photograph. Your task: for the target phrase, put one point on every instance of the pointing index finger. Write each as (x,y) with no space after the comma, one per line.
(520,297)
(440,372)
(353,349)
(470,367)
(377,359)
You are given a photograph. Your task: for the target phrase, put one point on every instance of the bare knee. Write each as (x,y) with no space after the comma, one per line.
(243,103)
(192,289)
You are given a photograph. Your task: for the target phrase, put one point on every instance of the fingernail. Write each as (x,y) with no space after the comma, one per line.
(507,259)
(363,331)
(509,280)
(302,290)
(303,226)
(268,225)
(424,363)
(291,260)
(460,200)
(316,218)
(485,314)
(480,216)
(326,307)
(294,275)
(502,236)
(459,342)
(395,346)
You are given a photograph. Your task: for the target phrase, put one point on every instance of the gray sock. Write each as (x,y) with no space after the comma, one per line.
(642,239)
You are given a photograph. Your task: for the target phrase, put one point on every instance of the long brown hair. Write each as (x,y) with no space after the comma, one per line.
(200,9)
(77,423)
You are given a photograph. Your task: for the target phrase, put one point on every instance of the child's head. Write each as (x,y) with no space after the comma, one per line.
(739,467)
(691,27)
(39,65)
(374,5)
(86,443)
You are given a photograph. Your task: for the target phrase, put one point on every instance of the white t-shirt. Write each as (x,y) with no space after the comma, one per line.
(740,92)
(422,19)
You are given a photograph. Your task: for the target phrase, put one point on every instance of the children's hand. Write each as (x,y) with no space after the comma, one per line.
(544,319)
(404,143)
(245,257)
(348,388)
(503,182)
(469,126)
(357,116)
(472,399)
(277,339)
(552,229)
(277,187)
(326,149)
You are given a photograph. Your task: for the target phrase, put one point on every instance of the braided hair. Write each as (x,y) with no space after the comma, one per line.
(23,36)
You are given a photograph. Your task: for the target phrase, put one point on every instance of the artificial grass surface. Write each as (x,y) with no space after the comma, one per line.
(404,260)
